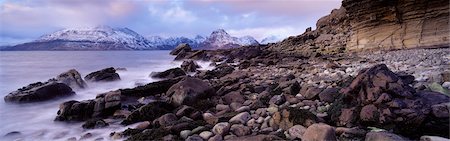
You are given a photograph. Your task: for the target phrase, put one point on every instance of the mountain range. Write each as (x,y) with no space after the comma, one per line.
(108,38)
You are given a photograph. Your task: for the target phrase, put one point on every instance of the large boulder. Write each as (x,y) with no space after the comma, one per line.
(148,112)
(189,66)
(39,92)
(170,73)
(181,47)
(377,97)
(72,78)
(104,75)
(319,132)
(189,90)
(150,89)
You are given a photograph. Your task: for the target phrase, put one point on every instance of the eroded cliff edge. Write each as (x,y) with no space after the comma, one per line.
(363,25)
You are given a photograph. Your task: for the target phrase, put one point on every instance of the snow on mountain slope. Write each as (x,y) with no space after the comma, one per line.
(101,34)
(220,39)
(271,39)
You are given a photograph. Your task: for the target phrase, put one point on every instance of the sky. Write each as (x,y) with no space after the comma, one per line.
(27,20)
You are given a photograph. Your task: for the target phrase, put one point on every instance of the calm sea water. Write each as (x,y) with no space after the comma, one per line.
(35,120)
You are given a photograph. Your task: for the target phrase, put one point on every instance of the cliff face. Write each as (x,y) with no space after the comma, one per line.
(362,25)
(397,24)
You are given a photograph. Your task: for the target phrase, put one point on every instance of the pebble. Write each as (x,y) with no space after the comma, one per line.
(206,135)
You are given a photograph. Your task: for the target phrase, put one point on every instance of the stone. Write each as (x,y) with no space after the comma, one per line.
(194,137)
(241,118)
(168,74)
(39,91)
(383,136)
(440,110)
(75,110)
(221,128)
(233,97)
(94,123)
(210,118)
(256,138)
(150,89)
(148,112)
(297,131)
(189,90)
(319,132)
(222,107)
(104,75)
(312,92)
(167,119)
(206,135)
(189,66)
(185,134)
(86,136)
(328,95)
(277,99)
(142,125)
(216,138)
(369,113)
(432,138)
(240,130)
(243,109)
(72,78)
(181,47)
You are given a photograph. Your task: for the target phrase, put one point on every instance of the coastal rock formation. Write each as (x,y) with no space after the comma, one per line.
(179,48)
(378,97)
(170,73)
(397,24)
(72,78)
(189,66)
(189,90)
(104,75)
(39,92)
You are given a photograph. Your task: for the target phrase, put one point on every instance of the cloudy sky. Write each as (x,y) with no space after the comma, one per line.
(26,20)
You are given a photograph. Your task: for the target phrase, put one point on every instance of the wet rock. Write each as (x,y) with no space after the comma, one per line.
(75,110)
(216,138)
(440,110)
(185,134)
(383,136)
(432,138)
(142,125)
(189,66)
(86,136)
(167,119)
(181,47)
(39,92)
(319,132)
(104,75)
(221,128)
(210,118)
(241,118)
(194,137)
(240,130)
(189,90)
(168,74)
(94,123)
(277,99)
(72,78)
(150,89)
(149,134)
(148,112)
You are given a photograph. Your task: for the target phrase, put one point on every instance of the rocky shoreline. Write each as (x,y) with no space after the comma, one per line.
(256,94)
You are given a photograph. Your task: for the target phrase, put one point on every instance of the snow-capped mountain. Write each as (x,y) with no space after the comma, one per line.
(107,38)
(220,39)
(271,39)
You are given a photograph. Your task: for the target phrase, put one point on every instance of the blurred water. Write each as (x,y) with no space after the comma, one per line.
(35,120)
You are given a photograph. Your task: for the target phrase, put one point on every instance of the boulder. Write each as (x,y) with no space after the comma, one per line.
(241,118)
(319,132)
(94,123)
(150,89)
(72,78)
(39,92)
(168,74)
(221,128)
(148,112)
(189,90)
(240,130)
(297,131)
(312,92)
(233,97)
(167,119)
(75,110)
(181,47)
(328,95)
(104,75)
(189,66)
(383,136)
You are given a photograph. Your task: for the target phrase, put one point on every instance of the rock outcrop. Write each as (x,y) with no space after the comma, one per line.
(72,78)
(39,92)
(104,75)
(397,24)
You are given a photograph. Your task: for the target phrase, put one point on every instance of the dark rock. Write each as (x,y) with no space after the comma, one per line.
(168,74)
(149,134)
(75,110)
(218,72)
(72,78)
(240,130)
(277,99)
(189,66)
(302,117)
(148,112)
(13,134)
(189,90)
(181,47)
(167,119)
(104,75)
(328,95)
(319,132)
(39,92)
(150,89)
(312,92)
(383,136)
(94,123)
(256,138)
(233,97)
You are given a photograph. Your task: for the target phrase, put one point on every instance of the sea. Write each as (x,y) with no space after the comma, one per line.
(35,121)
